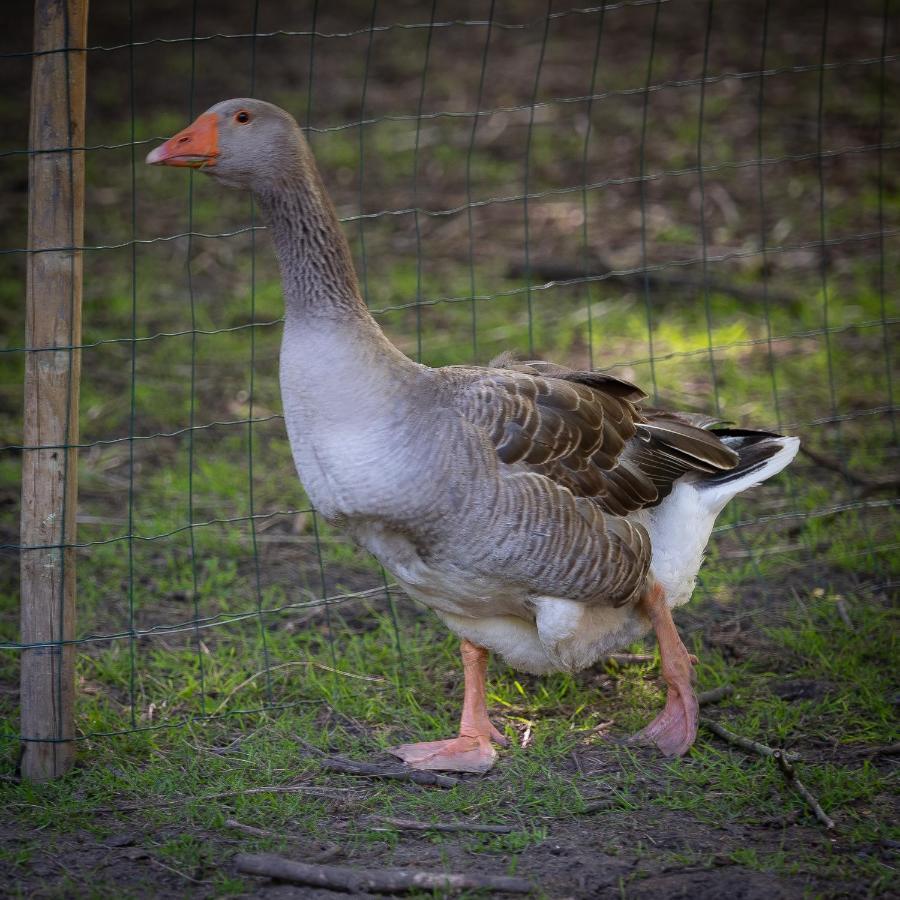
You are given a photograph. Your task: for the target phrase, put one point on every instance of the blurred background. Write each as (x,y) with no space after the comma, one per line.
(703,198)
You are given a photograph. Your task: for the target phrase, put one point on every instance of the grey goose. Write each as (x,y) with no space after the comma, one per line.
(546,515)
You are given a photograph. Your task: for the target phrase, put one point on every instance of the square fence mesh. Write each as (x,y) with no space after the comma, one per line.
(700,197)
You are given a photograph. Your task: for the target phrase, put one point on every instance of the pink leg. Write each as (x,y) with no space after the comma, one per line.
(471,751)
(675,728)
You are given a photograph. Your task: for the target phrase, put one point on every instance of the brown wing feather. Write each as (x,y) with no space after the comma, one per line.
(587,432)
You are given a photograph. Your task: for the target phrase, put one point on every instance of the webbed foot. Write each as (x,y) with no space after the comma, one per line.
(459,754)
(674,730)
(471,751)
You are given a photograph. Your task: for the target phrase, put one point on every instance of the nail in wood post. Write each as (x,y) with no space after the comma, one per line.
(53,319)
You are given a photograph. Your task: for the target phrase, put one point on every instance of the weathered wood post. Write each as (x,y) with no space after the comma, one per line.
(52,368)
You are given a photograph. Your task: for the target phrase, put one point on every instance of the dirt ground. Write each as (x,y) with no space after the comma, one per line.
(593,857)
(634,847)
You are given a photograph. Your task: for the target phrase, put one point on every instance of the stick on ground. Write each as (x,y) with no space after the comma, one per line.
(252,830)
(352,767)
(790,774)
(715,695)
(628,659)
(745,743)
(329,793)
(411,825)
(383,881)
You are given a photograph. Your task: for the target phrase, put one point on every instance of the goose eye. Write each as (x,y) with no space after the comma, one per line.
(242,118)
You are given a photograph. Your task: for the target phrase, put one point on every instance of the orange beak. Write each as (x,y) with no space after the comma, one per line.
(196,146)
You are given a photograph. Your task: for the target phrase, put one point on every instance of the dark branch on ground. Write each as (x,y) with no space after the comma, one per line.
(715,695)
(628,659)
(411,825)
(330,793)
(384,881)
(551,270)
(394,773)
(751,746)
(790,774)
(783,758)
(867,485)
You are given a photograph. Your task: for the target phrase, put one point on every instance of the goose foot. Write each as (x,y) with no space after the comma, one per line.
(459,754)
(471,751)
(675,728)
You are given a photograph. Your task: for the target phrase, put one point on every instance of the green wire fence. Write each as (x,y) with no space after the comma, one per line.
(703,197)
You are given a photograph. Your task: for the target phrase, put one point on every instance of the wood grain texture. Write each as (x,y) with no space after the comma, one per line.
(53,320)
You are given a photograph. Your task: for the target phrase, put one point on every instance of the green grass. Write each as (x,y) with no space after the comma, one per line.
(192,778)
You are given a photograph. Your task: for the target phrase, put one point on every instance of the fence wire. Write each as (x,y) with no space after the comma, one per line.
(701,198)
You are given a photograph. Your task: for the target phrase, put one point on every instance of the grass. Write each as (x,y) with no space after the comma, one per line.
(184,783)
(209,665)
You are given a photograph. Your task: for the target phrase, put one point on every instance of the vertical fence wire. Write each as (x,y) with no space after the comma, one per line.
(363,258)
(771,359)
(415,180)
(823,232)
(314,515)
(476,114)
(529,294)
(257,567)
(642,182)
(585,246)
(701,182)
(132,416)
(882,94)
(763,228)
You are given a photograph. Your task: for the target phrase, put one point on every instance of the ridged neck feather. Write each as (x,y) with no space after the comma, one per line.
(316,266)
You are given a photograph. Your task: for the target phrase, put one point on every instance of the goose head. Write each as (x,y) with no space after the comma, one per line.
(243,143)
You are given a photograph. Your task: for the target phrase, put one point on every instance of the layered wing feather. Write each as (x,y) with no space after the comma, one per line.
(589,432)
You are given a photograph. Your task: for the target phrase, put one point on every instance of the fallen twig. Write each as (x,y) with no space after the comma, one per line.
(248,829)
(844,614)
(551,270)
(178,872)
(887,750)
(715,695)
(629,659)
(288,665)
(411,825)
(745,743)
(790,774)
(866,484)
(331,793)
(600,805)
(329,852)
(386,881)
(577,760)
(352,767)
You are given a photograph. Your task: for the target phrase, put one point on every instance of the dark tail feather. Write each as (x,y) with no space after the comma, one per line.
(761,455)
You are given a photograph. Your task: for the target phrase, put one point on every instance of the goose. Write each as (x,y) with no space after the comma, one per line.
(546,515)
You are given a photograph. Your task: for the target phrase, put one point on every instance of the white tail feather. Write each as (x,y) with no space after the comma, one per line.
(680,526)
(717,495)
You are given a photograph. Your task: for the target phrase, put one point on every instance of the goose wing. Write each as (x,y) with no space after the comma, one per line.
(588,432)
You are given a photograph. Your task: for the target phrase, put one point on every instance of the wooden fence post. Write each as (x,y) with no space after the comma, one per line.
(53,310)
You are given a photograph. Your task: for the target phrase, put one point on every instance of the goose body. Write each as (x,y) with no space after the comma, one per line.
(544,514)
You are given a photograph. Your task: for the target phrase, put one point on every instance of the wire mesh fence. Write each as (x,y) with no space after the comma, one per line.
(700,197)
